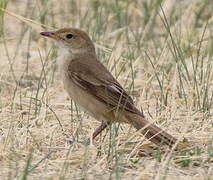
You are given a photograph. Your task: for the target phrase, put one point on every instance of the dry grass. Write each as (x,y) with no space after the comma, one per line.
(160,51)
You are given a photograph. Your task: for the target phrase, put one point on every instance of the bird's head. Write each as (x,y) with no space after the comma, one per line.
(74,40)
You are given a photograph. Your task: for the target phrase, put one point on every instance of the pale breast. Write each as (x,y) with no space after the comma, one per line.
(86,101)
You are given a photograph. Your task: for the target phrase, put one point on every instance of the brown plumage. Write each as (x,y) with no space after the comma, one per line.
(94,88)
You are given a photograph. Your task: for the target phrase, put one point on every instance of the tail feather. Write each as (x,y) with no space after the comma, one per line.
(151,131)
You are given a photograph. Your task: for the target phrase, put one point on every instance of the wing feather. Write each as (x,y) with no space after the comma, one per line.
(107,90)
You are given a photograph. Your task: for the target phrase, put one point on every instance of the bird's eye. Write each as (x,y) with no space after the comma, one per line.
(69,36)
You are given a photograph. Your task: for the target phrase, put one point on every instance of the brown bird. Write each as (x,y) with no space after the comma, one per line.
(93,87)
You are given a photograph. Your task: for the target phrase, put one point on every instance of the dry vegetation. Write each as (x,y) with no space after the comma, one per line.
(160,51)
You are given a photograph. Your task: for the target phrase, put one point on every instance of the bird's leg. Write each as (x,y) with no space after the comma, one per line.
(94,135)
(99,130)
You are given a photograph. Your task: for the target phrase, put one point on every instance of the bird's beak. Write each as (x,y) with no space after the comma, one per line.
(50,35)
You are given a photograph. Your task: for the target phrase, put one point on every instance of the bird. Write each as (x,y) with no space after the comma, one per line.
(90,85)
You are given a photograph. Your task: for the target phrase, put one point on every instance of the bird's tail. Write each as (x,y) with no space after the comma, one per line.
(150,131)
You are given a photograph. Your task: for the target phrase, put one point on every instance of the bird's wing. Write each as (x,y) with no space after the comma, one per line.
(101,85)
